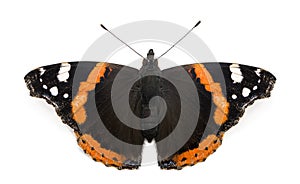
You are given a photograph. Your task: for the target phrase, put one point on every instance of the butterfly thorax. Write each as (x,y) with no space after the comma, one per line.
(150,75)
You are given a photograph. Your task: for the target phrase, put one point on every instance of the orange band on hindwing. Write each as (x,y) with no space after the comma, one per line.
(94,149)
(205,148)
(222,110)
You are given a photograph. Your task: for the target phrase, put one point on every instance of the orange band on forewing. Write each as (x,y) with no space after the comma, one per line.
(205,148)
(79,100)
(97,73)
(85,86)
(80,115)
(220,115)
(94,149)
(78,111)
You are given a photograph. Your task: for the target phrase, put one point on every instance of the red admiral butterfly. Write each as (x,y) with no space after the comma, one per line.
(81,93)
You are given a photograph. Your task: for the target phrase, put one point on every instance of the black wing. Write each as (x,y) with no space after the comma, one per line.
(81,93)
(224,91)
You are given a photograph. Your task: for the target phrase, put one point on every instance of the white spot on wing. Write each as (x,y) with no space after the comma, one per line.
(63,77)
(63,73)
(42,71)
(45,87)
(255,88)
(54,91)
(64,67)
(66,95)
(234,96)
(258,72)
(236,74)
(246,92)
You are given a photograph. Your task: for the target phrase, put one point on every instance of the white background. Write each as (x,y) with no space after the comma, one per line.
(37,148)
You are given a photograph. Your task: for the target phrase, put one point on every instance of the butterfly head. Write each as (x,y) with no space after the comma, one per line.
(150,62)
(150,55)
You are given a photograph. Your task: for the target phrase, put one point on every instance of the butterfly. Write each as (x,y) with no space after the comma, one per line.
(115,109)
(213,95)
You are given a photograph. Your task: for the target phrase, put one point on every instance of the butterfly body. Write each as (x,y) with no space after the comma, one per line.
(113,108)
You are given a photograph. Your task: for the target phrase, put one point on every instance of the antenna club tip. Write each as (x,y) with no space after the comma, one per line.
(197,23)
(103,26)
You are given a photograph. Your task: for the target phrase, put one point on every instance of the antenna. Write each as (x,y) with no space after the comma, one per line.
(180,39)
(121,41)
